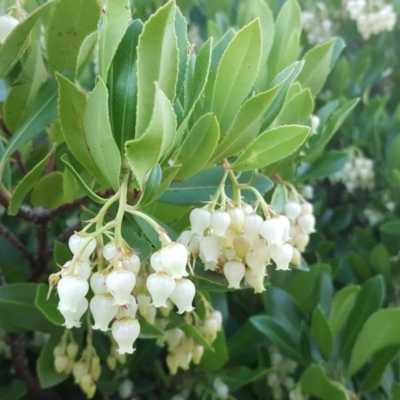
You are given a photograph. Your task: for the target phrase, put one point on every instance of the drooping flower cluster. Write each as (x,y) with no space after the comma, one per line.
(317,25)
(371,19)
(357,173)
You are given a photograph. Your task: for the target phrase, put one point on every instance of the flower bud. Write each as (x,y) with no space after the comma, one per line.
(120,284)
(57,351)
(129,309)
(197,353)
(254,280)
(132,263)
(103,310)
(86,383)
(126,389)
(160,287)
(199,220)
(220,221)
(234,273)
(251,226)
(218,317)
(241,245)
(80,369)
(237,219)
(72,318)
(80,267)
(172,363)
(151,315)
(71,290)
(60,363)
(183,359)
(210,249)
(272,230)
(174,258)
(282,255)
(72,350)
(95,368)
(98,283)
(247,208)
(292,210)
(183,295)
(7,24)
(125,331)
(296,258)
(307,208)
(173,337)
(76,242)
(187,344)
(307,223)
(221,389)
(143,303)
(111,362)
(300,240)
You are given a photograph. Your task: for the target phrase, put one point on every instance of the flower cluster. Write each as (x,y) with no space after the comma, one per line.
(371,19)
(357,173)
(317,26)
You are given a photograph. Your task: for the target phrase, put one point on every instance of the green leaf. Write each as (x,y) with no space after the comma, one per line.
(157,62)
(315,382)
(380,261)
(18,311)
(381,330)
(151,186)
(278,199)
(215,359)
(168,175)
(342,305)
(378,366)
(236,73)
(85,54)
(48,192)
(70,23)
(305,346)
(298,109)
(44,111)
(368,300)
(14,391)
(322,333)
(47,375)
(99,137)
(271,146)
(113,24)
(198,146)
(71,111)
(329,163)
(18,40)
(241,376)
(61,253)
(24,90)
(183,48)
(141,246)
(149,331)
(81,182)
(317,66)
(203,186)
(287,35)
(286,344)
(123,85)
(48,307)
(246,124)
(144,153)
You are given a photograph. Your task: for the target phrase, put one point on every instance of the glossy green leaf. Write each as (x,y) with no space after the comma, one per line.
(314,381)
(26,184)
(369,299)
(168,175)
(123,85)
(322,333)
(202,187)
(284,50)
(317,66)
(151,186)
(70,23)
(43,112)
(149,331)
(47,375)
(380,261)
(24,89)
(85,53)
(298,109)
(157,62)
(71,111)
(241,376)
(246,124)
(99,137)
(305,345)
(61,254)
(271,146)
(14,391)
(183,48)
(140,245)
(236,73)
(216,358)
(278,199)
(18,40)
(379,331)
(198,146)
(144,153)
(328,164)
(116,15)
(48,306)
(342,305)
(48,192)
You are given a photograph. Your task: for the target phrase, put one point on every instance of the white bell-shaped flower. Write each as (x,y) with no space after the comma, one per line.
(254,261)
(125,331)
(210,329)
(210,248)
(300,240)
(262,250)
(230,254)
(307,223)
(76,242)
(183,295)
(129,309)
(144,302)
(103,310)
(187,344)
(254,280)
(247,208)
(132,263)
(185,238)
(182,357)
(307,208)
(194,245)
(71,290)
(220,221)
(237,219)
(174,258)
(234,273)
(272,230)
(109,251)
(286,227)
(72,318)
(296,258)
(241,245)
(292,210)
(98,283)
(251,226)
(172,363)
(197,353)
(120,284)
(282,255)
(217,315)
(173,337)
(155,261)
(160,286)
(83,269)
(150,317)
(200,220)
